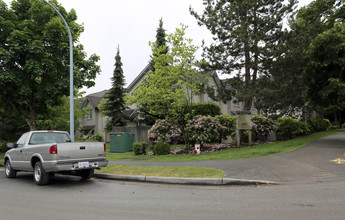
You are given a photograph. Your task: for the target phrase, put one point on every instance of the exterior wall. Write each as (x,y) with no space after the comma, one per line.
(100,125)
(134,106)
(140,132)
(86,121)
(97,120)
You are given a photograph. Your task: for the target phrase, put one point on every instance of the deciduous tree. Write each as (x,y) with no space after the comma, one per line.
(34,58)
(175,81)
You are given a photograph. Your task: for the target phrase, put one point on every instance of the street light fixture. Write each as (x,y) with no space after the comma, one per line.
(71,95)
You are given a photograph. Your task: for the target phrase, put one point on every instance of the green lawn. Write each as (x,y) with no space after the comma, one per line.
(237,153)
(173,171)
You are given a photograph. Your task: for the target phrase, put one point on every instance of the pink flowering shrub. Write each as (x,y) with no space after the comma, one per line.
(203,129)
(228,125)
(164,131)
(262,127)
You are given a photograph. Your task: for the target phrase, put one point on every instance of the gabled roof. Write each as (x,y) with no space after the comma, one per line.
(212,74)
(137,79)
(94,98)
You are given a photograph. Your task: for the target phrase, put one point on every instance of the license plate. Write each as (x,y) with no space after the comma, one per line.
(83,164)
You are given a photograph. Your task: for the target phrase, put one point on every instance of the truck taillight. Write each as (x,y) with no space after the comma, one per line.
(53,149)
(105,148)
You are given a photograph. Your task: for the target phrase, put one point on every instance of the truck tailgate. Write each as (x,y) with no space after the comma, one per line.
(80,151)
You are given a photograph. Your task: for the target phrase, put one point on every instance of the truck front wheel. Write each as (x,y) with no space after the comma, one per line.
(40,175)
(10,172)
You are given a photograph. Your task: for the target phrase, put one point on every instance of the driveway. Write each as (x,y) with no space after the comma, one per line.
(315,162)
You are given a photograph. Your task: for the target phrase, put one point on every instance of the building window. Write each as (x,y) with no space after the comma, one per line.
(236,103)
(90,114)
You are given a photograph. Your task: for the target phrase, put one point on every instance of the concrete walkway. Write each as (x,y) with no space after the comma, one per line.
(317,161)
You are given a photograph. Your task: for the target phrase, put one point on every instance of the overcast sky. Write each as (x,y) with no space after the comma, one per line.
(131,24)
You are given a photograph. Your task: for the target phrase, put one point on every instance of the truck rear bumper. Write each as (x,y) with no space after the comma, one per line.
(54,166)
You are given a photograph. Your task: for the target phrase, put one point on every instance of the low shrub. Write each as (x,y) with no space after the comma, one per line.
(318,124)
(3,147)
(140,148)
(206,109)
(343,126)
(203,129)
(165,131)
(263,127)
(161,148)
(289,127)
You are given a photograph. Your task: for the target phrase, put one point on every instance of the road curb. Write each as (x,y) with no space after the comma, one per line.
(184,181)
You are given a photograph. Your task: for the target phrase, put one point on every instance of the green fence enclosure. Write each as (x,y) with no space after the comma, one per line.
(121,142)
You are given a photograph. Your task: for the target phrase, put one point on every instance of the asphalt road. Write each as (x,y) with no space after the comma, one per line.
(71,198)
(313,188)
(312,163)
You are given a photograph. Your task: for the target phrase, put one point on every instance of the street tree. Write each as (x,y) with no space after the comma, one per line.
(324,74)
(176,79)
(288,70)
(246,34)
(113,104)
(34,58)
(57,116)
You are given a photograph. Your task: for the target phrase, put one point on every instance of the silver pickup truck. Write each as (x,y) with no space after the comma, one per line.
(49,152)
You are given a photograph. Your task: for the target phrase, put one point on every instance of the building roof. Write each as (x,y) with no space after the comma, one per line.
(96,98)
(137,79)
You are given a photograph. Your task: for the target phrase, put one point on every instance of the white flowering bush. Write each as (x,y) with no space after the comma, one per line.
(203,129)
(165,131)
(263,127)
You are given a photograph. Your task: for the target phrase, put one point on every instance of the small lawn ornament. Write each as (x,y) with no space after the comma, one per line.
(197,148)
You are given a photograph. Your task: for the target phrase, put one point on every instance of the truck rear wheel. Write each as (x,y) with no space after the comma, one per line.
(10,172)
(87,174)
(40,175)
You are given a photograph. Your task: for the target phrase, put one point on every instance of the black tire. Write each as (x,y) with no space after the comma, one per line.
(87,174)
(10,172)
(41,177)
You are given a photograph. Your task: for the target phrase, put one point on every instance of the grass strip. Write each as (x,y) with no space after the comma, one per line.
(235,153)
(171,171)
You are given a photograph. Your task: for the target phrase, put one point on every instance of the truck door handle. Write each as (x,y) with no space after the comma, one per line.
(82,147)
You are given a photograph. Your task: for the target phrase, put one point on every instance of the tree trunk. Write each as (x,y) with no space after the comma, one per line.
(321,112)
(247,81)
(31,121)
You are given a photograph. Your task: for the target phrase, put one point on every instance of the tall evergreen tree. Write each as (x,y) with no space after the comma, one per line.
(246,35)
(160,41)
(296,63)
(113,103)
(325,61)
(158,47)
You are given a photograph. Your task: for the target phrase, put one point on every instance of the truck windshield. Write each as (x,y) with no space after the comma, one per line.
(49,137)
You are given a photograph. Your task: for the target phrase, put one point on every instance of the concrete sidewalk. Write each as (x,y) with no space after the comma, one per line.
(312,163)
